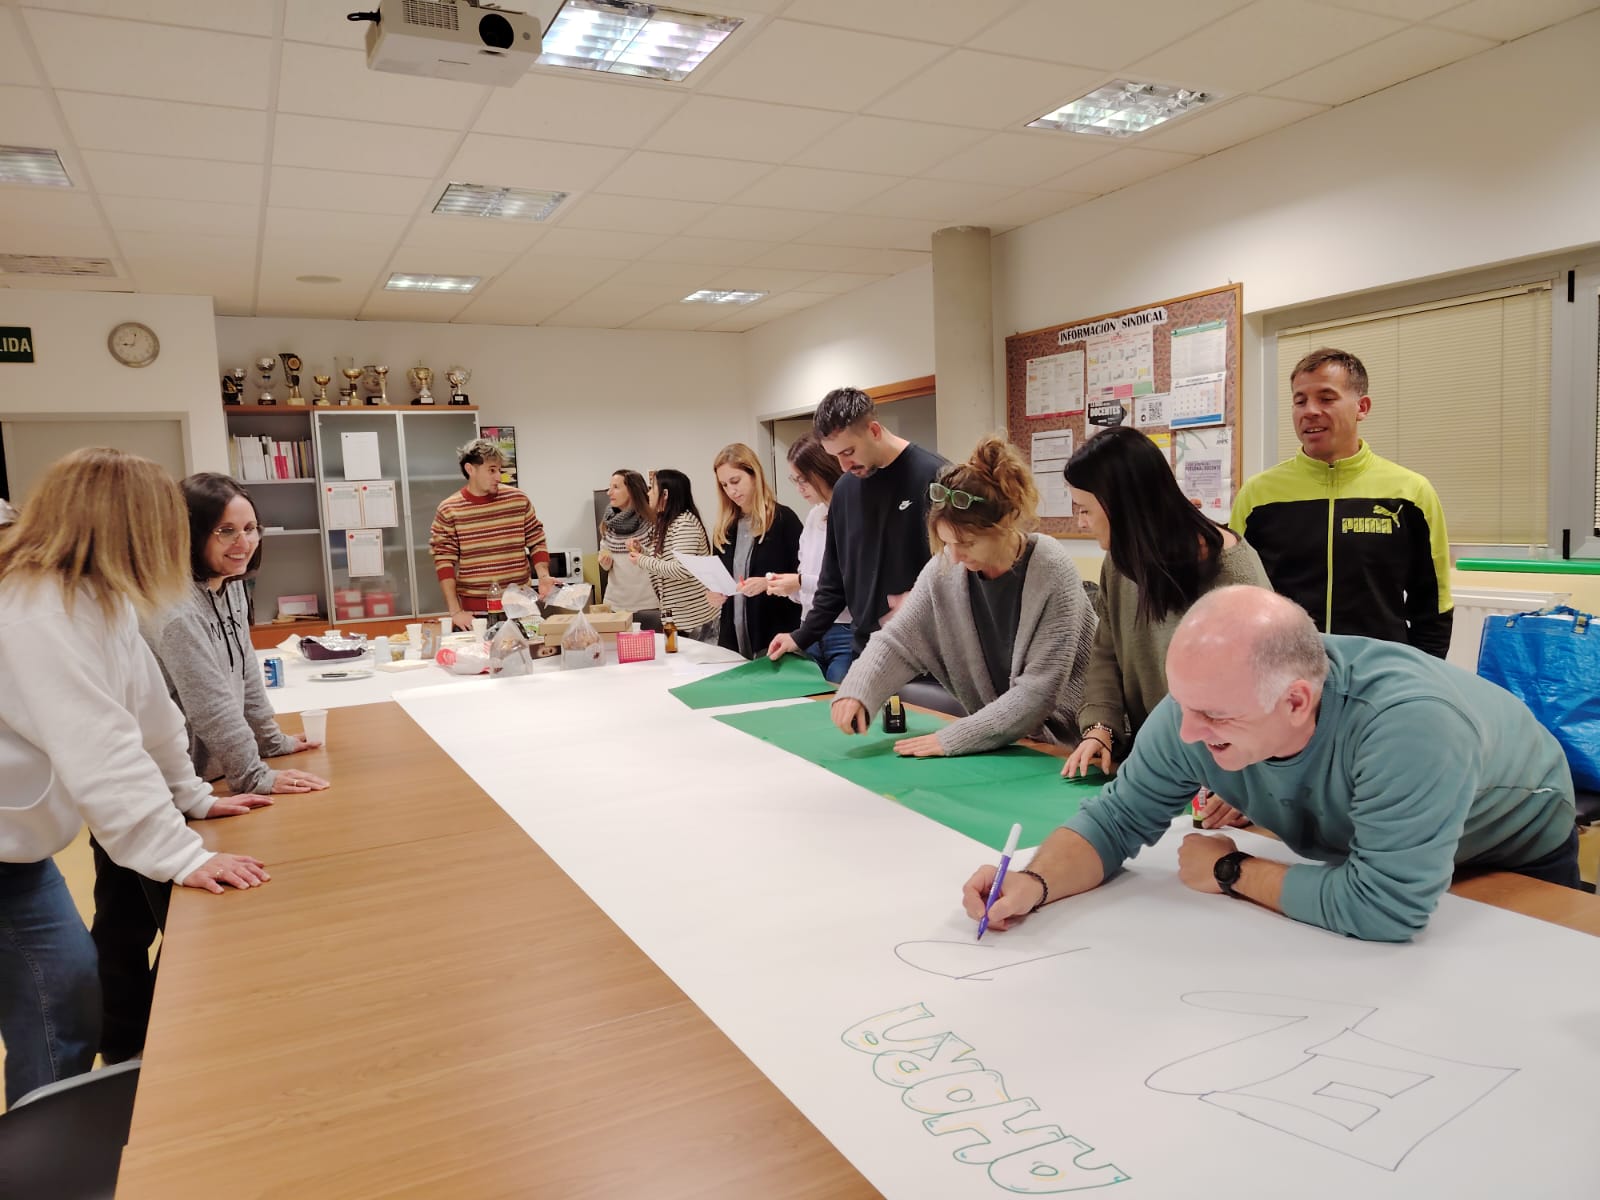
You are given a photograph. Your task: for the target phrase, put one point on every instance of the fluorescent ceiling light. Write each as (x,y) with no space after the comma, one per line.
(504,203)
(26,164)
(1122,109)
(624,38)
(710,296)
(432,283)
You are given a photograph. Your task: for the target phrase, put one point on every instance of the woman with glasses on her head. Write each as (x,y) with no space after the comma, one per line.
(677,530)
(89,734)
(998,616)
(814,471)
(1162,554)
(756,538)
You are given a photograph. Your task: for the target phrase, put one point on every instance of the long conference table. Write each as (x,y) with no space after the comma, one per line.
(420,1003)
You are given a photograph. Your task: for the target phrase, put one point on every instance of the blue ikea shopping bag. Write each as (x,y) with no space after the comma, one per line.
(1551,661)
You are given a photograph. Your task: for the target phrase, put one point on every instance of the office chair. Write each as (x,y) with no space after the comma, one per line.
(64,1141)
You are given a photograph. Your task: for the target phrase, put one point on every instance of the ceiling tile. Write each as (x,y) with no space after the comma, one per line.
(1404,55)
(875,233)
(787,63)
(543,276)
(949,21)
(477,234)
(347,191)
(812,258)
(16,65)
(839,282)
(418,260)
(1025,208)
(516,162)
(1232,122)
(1406,10)
(672,316)
(571,107)
(27,118)
(744,320)
(286,298)
(988,91)
(322,24)
(1118,170)
(509,310)
(117,174)
(1022,159)
(881,145)
(158,260)
(755,224)
(597,243)
(410,306)
(607,309)
(936,200)
(165,127)
(722,128)
(1107,36)
(794,301)
(231,16)
(96,54)
(47,237)
(890,261)
(1509,19)
(815,190)
(681,278)
(365,146)
(1261,44)
(717,251)
(327,81)
(761,279)
(141,214)
(681,177)
(632,213)
(353,229)
(26,206)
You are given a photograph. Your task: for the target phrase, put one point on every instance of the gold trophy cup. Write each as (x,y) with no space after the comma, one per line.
(421,378)
(350,394)
(320,400)
(265,365)
(381,372)
(291,372)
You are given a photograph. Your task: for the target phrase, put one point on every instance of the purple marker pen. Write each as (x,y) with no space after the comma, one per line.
(999,878)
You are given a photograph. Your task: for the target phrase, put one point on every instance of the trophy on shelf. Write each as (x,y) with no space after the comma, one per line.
(320,400)
(233,385)
(291,372)
(378,381)
(350,393)
(458,377)
(421,378)
(265,365)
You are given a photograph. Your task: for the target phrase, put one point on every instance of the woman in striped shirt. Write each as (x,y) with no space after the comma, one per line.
(678,530)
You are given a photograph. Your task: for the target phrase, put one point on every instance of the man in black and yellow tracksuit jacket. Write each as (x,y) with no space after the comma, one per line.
(1359,543)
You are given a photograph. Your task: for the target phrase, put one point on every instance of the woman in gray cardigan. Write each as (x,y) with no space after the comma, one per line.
(998,616)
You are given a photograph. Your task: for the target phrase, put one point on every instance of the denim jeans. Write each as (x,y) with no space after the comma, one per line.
(834,651)
(49,988)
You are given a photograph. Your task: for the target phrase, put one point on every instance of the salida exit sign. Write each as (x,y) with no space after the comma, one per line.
(16,343)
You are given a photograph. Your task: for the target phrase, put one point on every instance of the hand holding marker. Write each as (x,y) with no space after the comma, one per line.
(999,878)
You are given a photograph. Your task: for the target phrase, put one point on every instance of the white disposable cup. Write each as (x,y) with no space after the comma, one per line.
(636,628)
(414,633)
(480,627)
(315,723)
(446,627)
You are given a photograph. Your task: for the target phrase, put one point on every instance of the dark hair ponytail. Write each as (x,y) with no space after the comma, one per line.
(677,498)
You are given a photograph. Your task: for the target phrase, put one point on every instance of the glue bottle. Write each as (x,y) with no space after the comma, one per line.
(669,627)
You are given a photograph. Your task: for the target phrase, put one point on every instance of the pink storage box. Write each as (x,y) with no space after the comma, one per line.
(636,647)
(305,605)
(379,604)
(347,605)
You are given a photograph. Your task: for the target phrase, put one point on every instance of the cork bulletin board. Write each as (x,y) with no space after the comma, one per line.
(1171,369)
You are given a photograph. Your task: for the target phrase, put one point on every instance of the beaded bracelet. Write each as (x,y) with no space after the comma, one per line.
(1042,884)
(1111,736)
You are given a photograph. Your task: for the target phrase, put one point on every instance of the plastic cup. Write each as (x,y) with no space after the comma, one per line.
(480,627)
(446,627)
(315,723)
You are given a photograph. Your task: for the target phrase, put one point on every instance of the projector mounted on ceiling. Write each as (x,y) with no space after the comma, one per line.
(456,39)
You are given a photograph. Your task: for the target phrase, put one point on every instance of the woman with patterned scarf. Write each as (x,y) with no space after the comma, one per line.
(627,585)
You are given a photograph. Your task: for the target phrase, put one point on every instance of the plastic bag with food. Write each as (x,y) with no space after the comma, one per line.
(581,645)
(520,600)
(508,651)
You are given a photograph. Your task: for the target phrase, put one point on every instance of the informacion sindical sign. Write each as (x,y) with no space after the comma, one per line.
(16,344)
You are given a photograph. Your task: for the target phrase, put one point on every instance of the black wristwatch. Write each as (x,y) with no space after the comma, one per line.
(1226,871)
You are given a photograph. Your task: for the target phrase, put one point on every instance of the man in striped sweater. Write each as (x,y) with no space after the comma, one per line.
(485,534)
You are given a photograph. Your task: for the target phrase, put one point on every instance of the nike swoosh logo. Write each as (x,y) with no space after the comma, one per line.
(904,504)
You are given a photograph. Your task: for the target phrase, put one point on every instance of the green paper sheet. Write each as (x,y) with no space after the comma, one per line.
(980,795)
(792,676)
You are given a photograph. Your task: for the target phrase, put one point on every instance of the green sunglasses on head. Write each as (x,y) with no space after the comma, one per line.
(939,494)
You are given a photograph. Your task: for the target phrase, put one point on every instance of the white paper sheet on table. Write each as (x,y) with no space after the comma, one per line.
(708,569)
(1128,1033)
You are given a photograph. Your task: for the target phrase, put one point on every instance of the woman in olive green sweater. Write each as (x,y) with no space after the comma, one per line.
(1162,554)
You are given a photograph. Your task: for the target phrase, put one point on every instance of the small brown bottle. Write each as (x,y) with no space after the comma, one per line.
(670,628)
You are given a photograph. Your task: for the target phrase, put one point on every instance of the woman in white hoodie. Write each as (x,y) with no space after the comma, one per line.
(89,734)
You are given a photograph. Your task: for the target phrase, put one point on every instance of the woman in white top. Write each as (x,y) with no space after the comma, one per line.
(89,733)
(814,471)
(630,516)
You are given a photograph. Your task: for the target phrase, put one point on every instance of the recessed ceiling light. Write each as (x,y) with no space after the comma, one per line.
(624,38)
(1122,109)
(317,279)
(505,203)
(56,264)
(432,283)
(709,296)
(26,164)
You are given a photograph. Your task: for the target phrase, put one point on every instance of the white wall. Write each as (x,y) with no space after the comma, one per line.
(583,402)
(73,373)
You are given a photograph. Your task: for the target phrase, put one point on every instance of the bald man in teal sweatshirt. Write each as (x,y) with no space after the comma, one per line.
(1387,766)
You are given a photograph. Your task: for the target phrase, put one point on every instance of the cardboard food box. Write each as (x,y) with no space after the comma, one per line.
(607,622)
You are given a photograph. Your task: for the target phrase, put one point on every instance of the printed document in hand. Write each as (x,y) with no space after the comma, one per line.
(708,569)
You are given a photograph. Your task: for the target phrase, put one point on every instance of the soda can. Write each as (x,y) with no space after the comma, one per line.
(273,668)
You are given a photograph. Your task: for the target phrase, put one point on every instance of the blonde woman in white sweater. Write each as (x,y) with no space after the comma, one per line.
(89,734)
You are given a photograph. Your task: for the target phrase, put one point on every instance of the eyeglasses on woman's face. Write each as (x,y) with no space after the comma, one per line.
(939,494)
(229,534)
